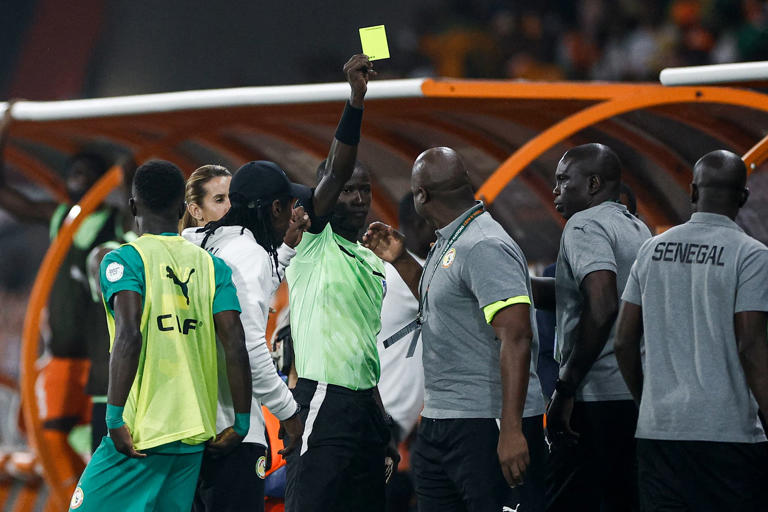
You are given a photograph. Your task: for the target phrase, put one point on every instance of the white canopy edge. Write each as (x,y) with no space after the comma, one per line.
(207,99)
(716,74)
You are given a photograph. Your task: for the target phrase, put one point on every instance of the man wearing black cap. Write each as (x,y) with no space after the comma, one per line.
(249,238)
(336,291)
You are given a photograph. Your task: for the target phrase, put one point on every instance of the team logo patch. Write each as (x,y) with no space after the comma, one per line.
(114,272)
(78,497)
(449,258)
(261,467)
(183,285)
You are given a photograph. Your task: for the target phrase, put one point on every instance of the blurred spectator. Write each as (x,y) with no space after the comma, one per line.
(586,39)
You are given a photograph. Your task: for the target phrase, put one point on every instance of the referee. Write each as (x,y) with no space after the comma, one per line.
(482,419)
(167,301)
(591,418)
(698,297)
(336,290)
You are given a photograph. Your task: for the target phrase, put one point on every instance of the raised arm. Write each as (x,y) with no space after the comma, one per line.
(11,200)
(751,328)
(123,363)
(512,326)
(343,154)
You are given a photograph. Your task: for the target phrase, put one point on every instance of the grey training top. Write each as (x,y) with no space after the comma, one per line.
(462,377)
(604,237)
(690,281)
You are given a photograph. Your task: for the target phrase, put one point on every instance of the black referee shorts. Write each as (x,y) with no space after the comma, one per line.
(457,468)
(232,483)
(339,466)
(700,476)
(599,473)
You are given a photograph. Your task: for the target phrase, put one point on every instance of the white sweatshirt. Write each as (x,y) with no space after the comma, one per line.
(256,280)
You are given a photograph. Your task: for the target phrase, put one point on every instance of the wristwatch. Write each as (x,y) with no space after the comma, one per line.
(565,389)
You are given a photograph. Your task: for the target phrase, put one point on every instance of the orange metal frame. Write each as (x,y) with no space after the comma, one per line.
(615,100)
(612,100)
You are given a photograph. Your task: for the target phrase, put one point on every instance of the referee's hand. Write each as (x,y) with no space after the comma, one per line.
(124,442)
(386,242)
(225,443)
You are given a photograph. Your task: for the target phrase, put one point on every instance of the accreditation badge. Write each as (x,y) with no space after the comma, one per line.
(449,258)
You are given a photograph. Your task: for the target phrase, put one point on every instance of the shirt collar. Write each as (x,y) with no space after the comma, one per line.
(448,230)
(713,219)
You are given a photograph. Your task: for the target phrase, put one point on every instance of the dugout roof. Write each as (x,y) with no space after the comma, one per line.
(511,135)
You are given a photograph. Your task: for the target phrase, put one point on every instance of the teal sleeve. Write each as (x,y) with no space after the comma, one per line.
(121,270)
(225,298)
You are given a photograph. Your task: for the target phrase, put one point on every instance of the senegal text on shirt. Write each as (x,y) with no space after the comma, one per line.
(689,253)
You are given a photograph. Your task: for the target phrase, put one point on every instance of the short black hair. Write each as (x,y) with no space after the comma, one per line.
(320,171)
(95,161)
(159,185)
(631,199)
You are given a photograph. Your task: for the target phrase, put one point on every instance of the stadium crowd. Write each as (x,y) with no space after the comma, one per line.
(427,336)
(628,40)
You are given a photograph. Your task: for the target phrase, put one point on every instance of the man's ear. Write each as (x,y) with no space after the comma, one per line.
(744,197)
(132,205)
(182,209)
(694,193)
(277,208)
(594,184)
(421,195)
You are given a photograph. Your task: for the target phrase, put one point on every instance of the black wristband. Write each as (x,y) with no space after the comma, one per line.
(348,130)
(565,389)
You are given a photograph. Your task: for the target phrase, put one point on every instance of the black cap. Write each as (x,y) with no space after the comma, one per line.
(263,181)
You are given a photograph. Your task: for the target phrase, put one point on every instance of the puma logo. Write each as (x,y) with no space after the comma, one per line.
(184,286)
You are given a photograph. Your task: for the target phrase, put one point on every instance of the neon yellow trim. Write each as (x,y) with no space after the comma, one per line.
(491,309)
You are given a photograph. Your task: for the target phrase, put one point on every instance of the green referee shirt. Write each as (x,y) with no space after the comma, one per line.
(336,290)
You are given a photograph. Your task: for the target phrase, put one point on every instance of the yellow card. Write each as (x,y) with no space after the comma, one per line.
(374,41)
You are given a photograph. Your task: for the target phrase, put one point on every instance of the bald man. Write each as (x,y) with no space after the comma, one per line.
(591,418)
(481,436)
(699,291)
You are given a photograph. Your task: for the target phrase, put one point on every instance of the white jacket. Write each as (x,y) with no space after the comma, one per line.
(256,280)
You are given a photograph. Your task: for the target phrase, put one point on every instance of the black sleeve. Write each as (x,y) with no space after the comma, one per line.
(318,223)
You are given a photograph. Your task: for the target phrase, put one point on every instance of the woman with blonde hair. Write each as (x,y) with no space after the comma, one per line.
(206,195)
(255,238)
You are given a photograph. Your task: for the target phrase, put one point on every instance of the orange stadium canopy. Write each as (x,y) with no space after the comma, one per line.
(511,135)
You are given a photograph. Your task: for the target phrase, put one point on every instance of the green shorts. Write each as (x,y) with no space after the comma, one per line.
(112,481)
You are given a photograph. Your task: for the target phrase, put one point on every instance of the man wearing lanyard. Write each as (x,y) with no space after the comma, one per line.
(477,328)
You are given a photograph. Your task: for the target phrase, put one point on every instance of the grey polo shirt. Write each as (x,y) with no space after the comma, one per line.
(690,281)
(462,377)
(604,237)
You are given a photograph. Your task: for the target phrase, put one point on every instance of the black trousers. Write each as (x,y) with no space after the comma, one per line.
(699,476)
(98,424)
(599,473)
(232,483)
(457,467)
(340,464)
